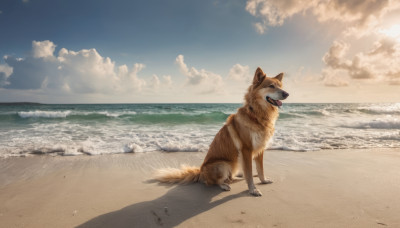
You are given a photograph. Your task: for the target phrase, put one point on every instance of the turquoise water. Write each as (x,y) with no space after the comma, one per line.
(76,129)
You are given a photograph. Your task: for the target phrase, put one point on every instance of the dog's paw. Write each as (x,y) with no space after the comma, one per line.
(255,192)
(225,187)
(266,181)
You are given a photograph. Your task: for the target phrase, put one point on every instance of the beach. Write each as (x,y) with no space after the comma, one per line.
(328,188)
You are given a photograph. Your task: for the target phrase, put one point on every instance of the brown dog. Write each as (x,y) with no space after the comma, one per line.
(243,138)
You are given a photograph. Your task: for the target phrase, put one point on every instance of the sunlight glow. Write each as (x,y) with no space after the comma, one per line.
(393,31)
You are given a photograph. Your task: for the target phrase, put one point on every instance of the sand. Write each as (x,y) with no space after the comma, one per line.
(331,188)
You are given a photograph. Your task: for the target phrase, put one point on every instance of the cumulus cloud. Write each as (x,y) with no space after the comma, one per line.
(206,81)
(362,18)
(239,73)
(84,71)
(167,80)
(5,72)
(378,63)
(43,49)
(155,82)
(359,15)
(30,72)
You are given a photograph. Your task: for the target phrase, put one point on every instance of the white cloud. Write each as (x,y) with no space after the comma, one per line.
(358,15)
(5,72)
(205,81)
(380,63)
(84,71)
(155,82)
(167,80)
(182,65)
(43,49)
(239,73)
(260,28)
(361,18)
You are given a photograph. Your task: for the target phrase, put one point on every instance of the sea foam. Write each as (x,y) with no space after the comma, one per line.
(380,123)
(133,128)
(44,114)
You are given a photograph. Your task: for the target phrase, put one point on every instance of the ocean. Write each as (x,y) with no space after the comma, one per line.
(98,129)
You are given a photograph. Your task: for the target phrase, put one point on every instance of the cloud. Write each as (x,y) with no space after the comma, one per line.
(30,72)
(167,80)
(43,49)
(358,15)
(83,72)
(205,81)
(260,28)
(239,73)
(155,82)
(380,63)
(361,18)
(5,72)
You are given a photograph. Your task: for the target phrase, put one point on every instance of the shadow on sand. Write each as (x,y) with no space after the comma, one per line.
(180,203)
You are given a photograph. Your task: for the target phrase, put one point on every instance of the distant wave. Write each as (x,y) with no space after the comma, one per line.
(92,129)
(131,116)
(381,109)
(44,114)
(69,113)
(391,123)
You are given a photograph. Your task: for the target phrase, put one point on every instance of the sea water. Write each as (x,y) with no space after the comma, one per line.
(93,129)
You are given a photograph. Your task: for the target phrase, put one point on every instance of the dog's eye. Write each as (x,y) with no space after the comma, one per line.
(271,86)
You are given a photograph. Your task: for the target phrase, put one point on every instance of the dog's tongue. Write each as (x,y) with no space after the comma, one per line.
(278,102)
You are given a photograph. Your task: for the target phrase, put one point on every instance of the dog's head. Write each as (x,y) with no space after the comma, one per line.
(268,91)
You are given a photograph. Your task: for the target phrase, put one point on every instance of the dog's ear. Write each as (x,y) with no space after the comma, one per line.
(279,76)
(259,77)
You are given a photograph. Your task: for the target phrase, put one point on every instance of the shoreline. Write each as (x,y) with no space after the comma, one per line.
(335,188)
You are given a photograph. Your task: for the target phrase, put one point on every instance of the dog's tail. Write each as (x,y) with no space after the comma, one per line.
(184,175)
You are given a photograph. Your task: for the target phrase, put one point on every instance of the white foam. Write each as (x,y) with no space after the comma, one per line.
(382,108)
(132,148)
(380,123)
(117,114)
(333,127)
(44,114)
(185,147)
(325,112)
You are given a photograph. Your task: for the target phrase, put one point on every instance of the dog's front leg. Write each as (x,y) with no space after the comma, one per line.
(260,168)
(248,174)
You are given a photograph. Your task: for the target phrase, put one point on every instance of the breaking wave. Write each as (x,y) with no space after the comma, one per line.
(131,116)
(133,128)
(388,123)
(44,114)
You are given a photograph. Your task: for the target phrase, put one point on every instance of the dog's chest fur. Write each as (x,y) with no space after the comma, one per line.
(251,135)
(258,141)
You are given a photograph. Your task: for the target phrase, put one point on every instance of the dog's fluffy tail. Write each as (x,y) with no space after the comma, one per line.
(184,175)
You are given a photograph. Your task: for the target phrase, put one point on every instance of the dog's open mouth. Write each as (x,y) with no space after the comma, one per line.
(276,103)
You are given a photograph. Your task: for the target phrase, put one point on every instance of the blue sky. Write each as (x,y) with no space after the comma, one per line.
(196,51)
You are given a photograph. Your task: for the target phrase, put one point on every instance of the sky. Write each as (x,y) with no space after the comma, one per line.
(184,51)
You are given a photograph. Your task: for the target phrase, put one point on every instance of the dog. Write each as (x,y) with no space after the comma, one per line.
(243,138)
